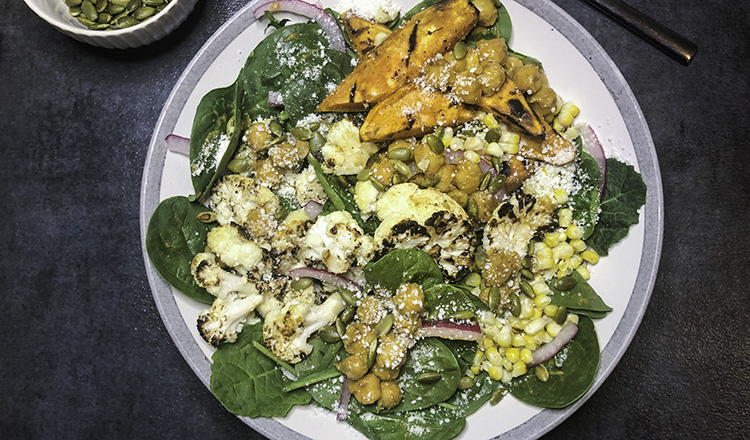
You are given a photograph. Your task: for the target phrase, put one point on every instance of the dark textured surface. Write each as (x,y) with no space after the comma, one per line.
(84,353)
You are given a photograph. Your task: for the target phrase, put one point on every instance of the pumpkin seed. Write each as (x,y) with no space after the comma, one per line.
(276,128)
(153,2)
(427,182)
(329,334)
(515,305)
(104,18)
(485,181)
(122,3)
(565,283)
(347,315)
(114,9)
(348,297)
(561,315)
(364,175)
(340,326)
(144,12)
(439,132)
(402,168)
(466,382)
(317,142)
(71,3)
(372,353)
(132,6)
(125,21)
(238,165)
(527,289)
(100,5)
(472,208)
(342,180)
(89,11)
(314,126)
(384,325)
(396,179)
(460,50)
(493,297)
(206,217)
(302,133)
(497,396)
(531,248)
(377,183)
(429,377)
(496,184)
(401,154)
(435,144)
(541,373)
(526,262)
(301,283)
(497,163)
(75,11)
(527,274)
(493,135)
(463,315)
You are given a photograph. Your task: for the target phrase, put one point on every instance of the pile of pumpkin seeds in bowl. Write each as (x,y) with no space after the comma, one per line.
(113,14)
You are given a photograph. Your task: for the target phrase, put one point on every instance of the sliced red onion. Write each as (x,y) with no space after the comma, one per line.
(275,99)
(313,209)
(326,277)
(548,350)
(486,167)
(592,146)
(463,330)
(342,409)
(454,156)
(323,18)
(178,144)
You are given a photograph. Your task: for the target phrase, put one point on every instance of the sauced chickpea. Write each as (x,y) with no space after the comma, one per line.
(409,299)
(266,173)
(487,12)
(385,373)
(258,136)
(459,196)
(358,337)
(390,394)
(354,366)
(543,101)
(528,79)
(285,155)
(499,266)
(492,51)
(486,204)
(382,170)
(427,160)
(261,223)
(468,176)
(406,324)
(446,174)
(467,87)
(366,390)
(370,310)
(517,172)
(511,64)
(391,351)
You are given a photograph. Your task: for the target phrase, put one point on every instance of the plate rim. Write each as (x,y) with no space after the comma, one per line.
(652,214)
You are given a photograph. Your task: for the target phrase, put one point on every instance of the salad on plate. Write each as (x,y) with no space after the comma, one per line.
(394,218)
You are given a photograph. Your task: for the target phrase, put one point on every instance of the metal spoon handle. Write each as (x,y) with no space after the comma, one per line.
(669,41)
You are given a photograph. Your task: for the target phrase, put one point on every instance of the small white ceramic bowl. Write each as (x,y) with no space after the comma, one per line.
(55,12)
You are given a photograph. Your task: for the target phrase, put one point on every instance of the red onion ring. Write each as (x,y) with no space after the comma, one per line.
(326,277)
(548,350)
(592,146)
(342,409)
(463,330)
(313,209)
(323,18)
(486,167)
(178,144)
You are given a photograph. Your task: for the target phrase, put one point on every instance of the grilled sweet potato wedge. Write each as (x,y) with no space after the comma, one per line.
(554,149)
(401,56)
(362,33)
(510,103)
(412,111)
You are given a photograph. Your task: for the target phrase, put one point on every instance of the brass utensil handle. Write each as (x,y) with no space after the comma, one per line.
(669,41)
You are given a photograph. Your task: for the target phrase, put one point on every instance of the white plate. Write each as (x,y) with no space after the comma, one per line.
(578,69)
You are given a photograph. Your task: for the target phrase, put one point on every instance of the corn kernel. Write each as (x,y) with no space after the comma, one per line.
(545,263)
(490,121)
(552,239)
(573,318)
(568,112)
(505,337)
(562,250)
(527,307)
(535,326)
(571,133)
(474,143)
(512,354)
(476,369)
(457,144)
(379,38)
(517,341)
(526,356)
(519,369)
(530,341)
(561,196)
(494,149)
(578,245)
(540,287)
(553,328)
(478,358)
(558,126)
(488,342)
(565,217)
(509,137)
(509,148)
(590,256)
(585,274)
(541,301)
(550,310)
(575,261)
(574,232)
(562,265)
(537,314)
(493,356)
(472,156)
(542,338)
(508,365)
(507,376)
(495,373)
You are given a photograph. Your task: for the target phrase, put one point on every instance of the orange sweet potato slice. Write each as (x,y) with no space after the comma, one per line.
(510,103)
(362,33)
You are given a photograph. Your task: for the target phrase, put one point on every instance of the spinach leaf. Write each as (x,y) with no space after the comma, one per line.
(430,424)
(214,136)
(428,354)
(585,202)
(581,297)
(571,372)
(321,361)
(296,62)
(173,237)
(402,266)
(624,195)
(502,28)
(340,199)
(248,383)
(443,300)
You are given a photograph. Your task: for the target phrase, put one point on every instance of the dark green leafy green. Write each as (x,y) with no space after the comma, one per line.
(581,297)
(443,300)
(290,62)
(173,237)
(248,383)
(624,194)
(402,266)
(341,199)
(571,372)
(321,361)
(214,136)
(273,22)
(431,424)
(585,202)
(502,28)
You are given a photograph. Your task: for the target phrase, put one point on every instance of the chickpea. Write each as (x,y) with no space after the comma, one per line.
(544,100)
(358,338)
(285,155)
(446,173)
(266,173)
(467,87)
(487,12)
(392,351)
(528,79)
(499,266)
(427,160)
(517,173)
(459,196)
(486,204)
(409,299)
(366,390)
(468,176)
(511,64)
(492,51)
(354,366)
(492,79)
(383,171)
(261,222)
(385,373)
(258,136)
(406,324)
(390,394)
(370,310)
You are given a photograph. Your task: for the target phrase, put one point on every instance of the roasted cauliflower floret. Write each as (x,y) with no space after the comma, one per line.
(514,223)
(287,244)
(239,199)
(236,299)
(307,187)
(337,240)
(343,152)
(238,252)
(366,196)
(429,220)
(286,330)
